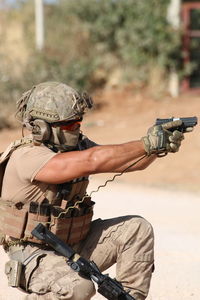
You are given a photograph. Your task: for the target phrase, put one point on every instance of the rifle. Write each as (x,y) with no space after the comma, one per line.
(186,123)
(110,288)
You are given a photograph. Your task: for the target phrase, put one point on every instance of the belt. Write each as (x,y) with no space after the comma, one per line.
(18,253)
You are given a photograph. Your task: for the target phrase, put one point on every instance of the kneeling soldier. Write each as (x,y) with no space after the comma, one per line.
(45,181)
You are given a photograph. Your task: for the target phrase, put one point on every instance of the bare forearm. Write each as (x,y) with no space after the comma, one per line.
(140,165)
(99,159)
(115,158)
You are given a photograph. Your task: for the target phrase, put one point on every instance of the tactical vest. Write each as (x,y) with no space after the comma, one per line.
(65,209)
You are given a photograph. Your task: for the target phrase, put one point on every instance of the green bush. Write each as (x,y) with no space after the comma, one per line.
(83,37)
(135,32)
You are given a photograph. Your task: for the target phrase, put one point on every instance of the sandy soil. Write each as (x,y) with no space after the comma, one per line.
(167,193)
(175,218)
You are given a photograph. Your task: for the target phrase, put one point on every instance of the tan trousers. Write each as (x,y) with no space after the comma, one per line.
(126,241)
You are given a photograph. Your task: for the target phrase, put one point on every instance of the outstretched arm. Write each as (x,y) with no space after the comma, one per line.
(137,164)
(99,159)
(112,158)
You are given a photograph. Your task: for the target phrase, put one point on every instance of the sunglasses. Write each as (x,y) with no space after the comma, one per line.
(70,126)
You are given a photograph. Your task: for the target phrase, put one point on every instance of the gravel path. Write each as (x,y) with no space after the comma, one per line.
(175,218)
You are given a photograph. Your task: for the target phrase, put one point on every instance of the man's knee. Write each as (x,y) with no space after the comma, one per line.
(83,291)
(138,239)
(145,228)
(138,227)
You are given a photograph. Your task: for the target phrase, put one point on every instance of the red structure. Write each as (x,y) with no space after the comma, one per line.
(191,43)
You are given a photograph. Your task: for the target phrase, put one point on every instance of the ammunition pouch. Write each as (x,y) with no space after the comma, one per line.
(70,225)
(64,209)
(13,269)
(71,230)
(12,220)
(32,221)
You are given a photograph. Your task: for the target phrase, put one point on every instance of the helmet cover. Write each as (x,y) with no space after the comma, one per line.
(52,102)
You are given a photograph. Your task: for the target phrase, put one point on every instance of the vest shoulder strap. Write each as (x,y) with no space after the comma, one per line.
(4,156)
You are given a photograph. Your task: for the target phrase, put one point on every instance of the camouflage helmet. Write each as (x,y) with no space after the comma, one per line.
(52,102)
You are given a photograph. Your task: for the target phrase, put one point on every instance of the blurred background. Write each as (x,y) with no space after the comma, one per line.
(140,60)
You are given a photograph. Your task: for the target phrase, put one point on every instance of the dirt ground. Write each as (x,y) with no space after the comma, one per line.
(167,193)
(127,116)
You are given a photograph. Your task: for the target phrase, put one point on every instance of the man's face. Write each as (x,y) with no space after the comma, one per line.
(66,134)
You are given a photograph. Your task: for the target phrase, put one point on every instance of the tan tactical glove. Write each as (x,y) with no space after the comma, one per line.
(162,138)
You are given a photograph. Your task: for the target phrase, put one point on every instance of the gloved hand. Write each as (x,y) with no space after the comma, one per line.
(162,138)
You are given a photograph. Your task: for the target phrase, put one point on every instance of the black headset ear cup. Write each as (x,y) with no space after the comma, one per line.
(41,130)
